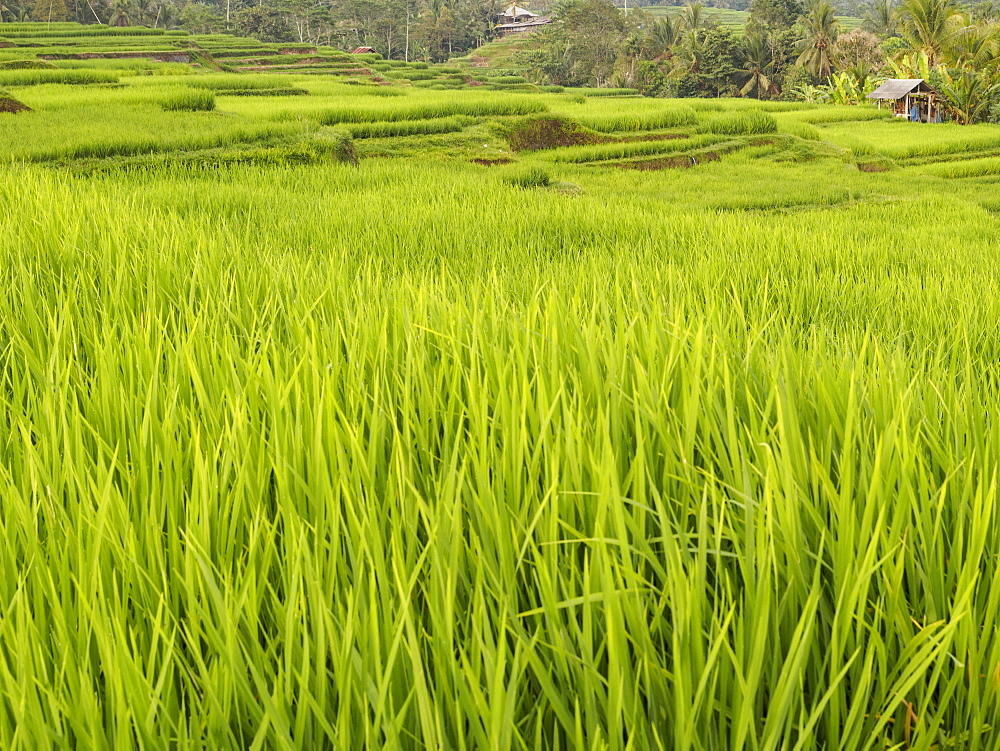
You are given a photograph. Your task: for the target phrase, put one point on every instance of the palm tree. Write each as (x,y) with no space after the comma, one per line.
(926,26)
(694,18)
(821,31)
(882,19)
(758,65)
(119,14)
(972,45)
(664,35)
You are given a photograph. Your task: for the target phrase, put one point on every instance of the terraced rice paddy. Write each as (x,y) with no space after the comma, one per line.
(380,416)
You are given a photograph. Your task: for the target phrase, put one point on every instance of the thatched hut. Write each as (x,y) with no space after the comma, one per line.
(911,98)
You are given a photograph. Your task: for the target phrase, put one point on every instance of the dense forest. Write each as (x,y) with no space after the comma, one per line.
(788,50)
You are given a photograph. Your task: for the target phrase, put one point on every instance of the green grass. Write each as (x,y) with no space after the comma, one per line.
(420,442)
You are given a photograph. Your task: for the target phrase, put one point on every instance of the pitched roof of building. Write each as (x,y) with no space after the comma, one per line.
(514,10)
(536,21)
(896,88)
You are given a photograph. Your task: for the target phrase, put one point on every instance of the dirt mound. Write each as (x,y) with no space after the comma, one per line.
(491,162)
(670,162)
(550,133)
(12,106)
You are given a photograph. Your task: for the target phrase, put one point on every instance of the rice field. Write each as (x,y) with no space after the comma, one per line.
(336,421)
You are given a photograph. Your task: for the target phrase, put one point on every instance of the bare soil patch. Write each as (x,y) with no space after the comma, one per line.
(670,162)
(12,106)
(492,162)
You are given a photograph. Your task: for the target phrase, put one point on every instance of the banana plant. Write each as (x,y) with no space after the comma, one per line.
(968,94)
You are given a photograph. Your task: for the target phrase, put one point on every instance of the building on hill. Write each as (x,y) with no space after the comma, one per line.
(517,20)
(362,50)
(911,98)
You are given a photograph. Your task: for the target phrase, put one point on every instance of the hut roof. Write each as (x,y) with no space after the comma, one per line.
(896,88)
(535,21)
(516,11)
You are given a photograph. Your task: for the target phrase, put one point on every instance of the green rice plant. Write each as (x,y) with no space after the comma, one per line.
(527,176)
(607,92)
(749,123)
(226,83)
(33,77)
(670,117)
(610,151)
(899,139)
(408,127)
(189,100)
(840,114)
(802,130)
(984,167)
(473,105)
(412,455)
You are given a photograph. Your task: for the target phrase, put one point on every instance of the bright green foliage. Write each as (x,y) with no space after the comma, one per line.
(664,439)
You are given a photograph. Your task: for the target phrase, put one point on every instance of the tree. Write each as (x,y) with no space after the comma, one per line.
(926,26)
(663,36)
(720,63)
(49,10)
(593,31)
(695,19)
(263,23)
(651,79)
(972,46)
(857,49)
(882,19)
(200,18)
(821,30)
(757,66)
(773,15)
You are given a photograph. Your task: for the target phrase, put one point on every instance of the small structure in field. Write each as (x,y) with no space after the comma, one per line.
(911,98)
(362,50)
(518,20)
